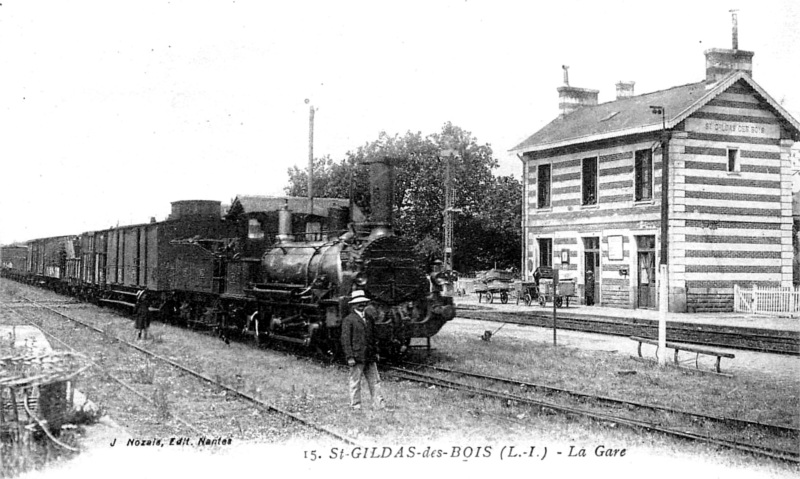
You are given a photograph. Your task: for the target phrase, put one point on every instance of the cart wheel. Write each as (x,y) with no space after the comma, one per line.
(489,297)
(504,297)
(528,300)
(559,302)
(542,301)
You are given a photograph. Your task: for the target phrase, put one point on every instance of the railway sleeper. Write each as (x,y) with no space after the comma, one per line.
(683,347)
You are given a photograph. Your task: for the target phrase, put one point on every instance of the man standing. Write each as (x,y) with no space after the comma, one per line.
(361,350)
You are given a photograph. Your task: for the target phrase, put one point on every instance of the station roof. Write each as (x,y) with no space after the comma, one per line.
(633,115)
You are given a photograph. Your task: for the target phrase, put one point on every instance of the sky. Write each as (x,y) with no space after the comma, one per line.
(111,110)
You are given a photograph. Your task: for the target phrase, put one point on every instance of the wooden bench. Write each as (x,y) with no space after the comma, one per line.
(684,347)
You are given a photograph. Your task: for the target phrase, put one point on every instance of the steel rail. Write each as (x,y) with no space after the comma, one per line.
(775,344)
(242,394)
(789,456)
(740,423)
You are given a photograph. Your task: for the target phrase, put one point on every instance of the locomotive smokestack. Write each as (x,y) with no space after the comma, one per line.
(310,157)
(284,223)
(381,186)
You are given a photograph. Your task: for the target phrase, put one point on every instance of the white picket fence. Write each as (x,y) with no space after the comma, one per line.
(766,300)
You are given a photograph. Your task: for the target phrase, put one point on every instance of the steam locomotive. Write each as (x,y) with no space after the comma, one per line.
(202,269)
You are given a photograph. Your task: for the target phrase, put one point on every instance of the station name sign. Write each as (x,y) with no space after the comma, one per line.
(739,128)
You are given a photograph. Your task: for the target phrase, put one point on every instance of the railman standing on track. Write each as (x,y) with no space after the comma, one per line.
(361,350)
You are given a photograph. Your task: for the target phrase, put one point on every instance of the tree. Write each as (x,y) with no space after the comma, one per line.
(486,231)
(494,237)
(331,180)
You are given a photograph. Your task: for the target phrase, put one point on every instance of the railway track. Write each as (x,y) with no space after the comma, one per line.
(721,431)
(181,396)
(751,339)
(19,303)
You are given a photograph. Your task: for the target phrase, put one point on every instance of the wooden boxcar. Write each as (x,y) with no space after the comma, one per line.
(158,257)
(53,260)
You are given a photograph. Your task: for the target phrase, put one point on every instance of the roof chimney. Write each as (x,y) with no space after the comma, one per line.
(572,98)
(625,89)
(721,62)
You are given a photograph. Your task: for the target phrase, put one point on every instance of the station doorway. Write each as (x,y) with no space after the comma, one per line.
(646,271)
(591,270)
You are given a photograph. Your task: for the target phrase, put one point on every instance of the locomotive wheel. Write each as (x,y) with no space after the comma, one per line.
(528,300)
(504,297)
(542,301)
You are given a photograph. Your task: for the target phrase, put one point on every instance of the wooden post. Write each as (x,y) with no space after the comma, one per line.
(662,316)
(555,294)
(755,300)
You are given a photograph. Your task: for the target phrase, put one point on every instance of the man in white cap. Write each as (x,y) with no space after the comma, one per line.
(361,350)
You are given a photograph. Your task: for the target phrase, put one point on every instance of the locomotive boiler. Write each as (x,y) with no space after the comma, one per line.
(304,285)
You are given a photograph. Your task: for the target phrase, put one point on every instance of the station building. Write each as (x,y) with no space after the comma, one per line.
(593,190)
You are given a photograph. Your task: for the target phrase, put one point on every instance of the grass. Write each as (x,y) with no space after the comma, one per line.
(147,374)
(745,396)
(319,392)
(426,416)
(10,289)
(37,452)
(161,401)
(110,332)
(157,337)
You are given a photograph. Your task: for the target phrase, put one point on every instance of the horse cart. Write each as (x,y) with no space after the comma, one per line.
(527,292)
(494,284)
(560,294)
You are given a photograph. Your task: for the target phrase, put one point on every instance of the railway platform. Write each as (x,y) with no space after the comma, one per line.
(777,367)
(735,320)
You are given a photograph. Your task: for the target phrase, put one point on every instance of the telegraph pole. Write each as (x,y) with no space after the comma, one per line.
(310,156)
(448,217)
(448,154)
(663,296)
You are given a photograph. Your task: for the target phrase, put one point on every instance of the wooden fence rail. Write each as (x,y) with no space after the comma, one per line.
(766,300)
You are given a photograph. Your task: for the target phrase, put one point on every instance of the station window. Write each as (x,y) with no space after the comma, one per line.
(643,172)
(254,230)
(733,160)
(543,186)
(589,170)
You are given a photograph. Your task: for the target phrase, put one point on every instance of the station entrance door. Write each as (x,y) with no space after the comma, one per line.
(646,271)
(591,270)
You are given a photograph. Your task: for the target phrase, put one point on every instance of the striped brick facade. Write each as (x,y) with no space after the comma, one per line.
(616,213)
(725,227)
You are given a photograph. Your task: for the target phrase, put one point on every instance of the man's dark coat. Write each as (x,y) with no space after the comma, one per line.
(358,337)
